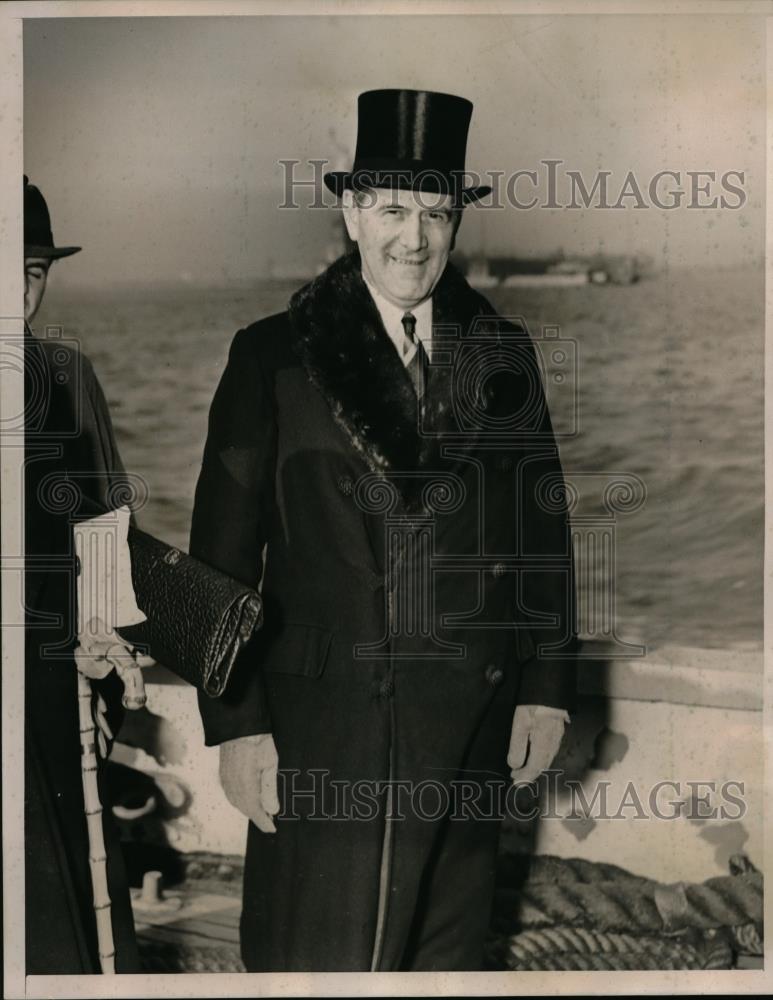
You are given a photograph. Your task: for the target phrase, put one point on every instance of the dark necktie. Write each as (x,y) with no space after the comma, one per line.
(417,366)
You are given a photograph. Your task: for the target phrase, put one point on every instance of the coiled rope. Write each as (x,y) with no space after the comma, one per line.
(576,914)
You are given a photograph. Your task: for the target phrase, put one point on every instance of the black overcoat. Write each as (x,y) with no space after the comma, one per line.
(72,471)
(417,578)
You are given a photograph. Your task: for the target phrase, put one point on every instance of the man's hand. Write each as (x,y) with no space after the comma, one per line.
(100,649)
(248,774)
(537,731)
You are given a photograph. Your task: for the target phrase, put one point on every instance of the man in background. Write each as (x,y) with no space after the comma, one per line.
(73,473)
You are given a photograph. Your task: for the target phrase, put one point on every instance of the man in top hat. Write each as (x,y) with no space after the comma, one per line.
(73,474)
(381,459)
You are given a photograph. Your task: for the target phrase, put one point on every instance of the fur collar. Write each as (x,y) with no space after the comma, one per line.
(349,357)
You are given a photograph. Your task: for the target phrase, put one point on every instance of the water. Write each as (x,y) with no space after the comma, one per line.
(669,387)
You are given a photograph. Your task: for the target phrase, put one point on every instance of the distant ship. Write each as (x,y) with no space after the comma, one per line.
(479,276)
(548,278)
(514,272)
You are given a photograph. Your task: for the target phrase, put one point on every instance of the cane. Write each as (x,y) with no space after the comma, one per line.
(91,744)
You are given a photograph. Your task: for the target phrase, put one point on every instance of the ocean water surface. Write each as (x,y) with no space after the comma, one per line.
(666,384)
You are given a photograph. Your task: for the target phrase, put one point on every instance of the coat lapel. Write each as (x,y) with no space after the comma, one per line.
(348,355)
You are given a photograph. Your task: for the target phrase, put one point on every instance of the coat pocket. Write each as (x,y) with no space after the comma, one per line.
(299,649)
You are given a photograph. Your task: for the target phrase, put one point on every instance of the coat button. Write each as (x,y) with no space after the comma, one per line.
(494,674)
(77,566)
(387,688)
(498,570)
(345,485)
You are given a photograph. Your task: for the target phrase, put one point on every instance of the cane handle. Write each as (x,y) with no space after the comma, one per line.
(134,696)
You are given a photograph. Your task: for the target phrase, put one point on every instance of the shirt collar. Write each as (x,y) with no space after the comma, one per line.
(392,318)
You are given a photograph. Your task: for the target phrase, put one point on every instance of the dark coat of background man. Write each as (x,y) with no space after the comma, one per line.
(70,455)
(387,440)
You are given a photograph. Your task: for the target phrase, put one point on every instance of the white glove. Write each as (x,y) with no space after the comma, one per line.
(538,731)
(100,649)
(248,774)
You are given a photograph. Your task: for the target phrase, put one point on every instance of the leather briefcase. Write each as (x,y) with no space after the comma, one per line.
(198,619)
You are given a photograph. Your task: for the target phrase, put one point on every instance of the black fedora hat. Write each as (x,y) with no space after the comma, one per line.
(38,238)
(414,139)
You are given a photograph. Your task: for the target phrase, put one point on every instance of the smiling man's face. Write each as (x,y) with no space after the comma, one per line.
(404,238)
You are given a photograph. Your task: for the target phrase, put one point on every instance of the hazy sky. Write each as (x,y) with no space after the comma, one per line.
(157,141)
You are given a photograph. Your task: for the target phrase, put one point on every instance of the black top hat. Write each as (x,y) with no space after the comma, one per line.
(38,238)
(414,139)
